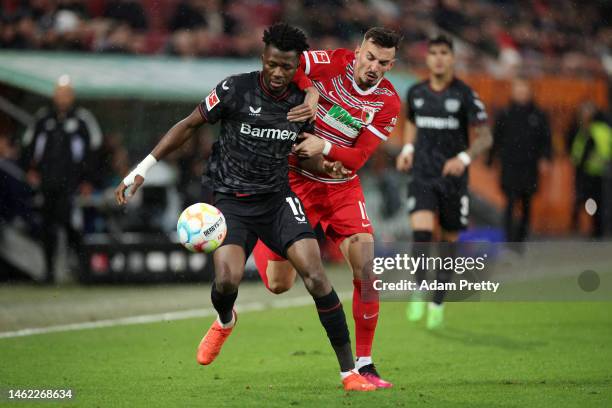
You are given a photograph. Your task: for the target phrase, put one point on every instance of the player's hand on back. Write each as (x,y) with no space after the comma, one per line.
(404,161)
(453,167)
(124,192)
(311,145)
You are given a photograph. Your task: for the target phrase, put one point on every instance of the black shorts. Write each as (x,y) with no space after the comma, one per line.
(446,195)
(277,219)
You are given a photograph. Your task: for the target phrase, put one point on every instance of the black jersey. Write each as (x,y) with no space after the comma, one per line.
(442,119)
(250,156)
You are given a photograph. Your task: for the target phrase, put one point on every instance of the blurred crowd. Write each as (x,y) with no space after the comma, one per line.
(500,36)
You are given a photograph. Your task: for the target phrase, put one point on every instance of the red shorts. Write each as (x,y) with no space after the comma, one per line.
(338,207)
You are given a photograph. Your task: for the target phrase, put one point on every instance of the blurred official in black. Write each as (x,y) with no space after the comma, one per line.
(522,141)
(57,148)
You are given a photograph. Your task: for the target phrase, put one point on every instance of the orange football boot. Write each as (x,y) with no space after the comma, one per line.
(211,343)
(356,382)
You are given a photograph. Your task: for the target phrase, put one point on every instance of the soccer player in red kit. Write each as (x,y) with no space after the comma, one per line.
(357,109)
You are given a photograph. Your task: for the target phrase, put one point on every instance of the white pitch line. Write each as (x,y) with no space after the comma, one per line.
(161,317)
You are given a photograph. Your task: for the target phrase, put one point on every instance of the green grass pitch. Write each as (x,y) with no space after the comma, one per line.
(489,355)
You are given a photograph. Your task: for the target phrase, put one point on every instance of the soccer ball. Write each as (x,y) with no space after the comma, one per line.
(201,228)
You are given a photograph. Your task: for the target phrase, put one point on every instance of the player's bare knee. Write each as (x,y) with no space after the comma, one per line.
(279,287)
(281,276)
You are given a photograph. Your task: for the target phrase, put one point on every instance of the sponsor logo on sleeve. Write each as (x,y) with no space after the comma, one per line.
(320,57)
(212,100)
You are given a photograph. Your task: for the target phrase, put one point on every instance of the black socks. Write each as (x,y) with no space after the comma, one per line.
(223,303)
(331,315)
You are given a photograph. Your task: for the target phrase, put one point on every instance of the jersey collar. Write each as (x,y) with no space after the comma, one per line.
(448,85)
(263,86)
(356,87)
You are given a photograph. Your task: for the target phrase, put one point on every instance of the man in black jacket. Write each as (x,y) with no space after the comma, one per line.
(57,148)
(522,141)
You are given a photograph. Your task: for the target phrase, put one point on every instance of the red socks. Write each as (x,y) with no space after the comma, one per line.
(365,302)
(365,313)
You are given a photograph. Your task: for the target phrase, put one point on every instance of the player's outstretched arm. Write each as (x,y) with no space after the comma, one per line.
(172,140)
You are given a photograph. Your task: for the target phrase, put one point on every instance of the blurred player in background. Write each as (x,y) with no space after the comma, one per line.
(591,151)
(248,172)
(358,109)
(440,111)
(522,143)
(57,151)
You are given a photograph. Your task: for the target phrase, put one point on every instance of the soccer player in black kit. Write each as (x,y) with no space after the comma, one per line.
(440,112)
(248,172)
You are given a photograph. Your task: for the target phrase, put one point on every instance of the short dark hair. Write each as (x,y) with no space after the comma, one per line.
(286,38)
(440,39)
(383,37)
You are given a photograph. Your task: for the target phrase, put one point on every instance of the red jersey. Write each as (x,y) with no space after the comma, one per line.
(354,121)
